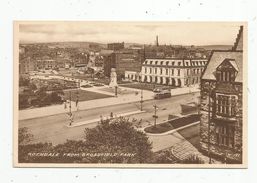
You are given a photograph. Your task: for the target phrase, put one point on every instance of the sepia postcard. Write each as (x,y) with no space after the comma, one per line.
(130,94)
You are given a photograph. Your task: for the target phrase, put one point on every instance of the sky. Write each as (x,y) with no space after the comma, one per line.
(175,33)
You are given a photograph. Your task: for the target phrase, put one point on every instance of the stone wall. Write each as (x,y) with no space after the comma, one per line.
(224,153)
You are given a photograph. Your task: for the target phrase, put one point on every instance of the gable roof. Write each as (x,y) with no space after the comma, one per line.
(233,63)
(218,57)
(235,56)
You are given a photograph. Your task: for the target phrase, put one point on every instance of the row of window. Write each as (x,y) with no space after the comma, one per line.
(151,70)
(225,76)
(154,71)
(194,63)
(225,135)
(226,105)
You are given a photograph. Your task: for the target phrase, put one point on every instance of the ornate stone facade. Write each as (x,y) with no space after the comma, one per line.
(221,127)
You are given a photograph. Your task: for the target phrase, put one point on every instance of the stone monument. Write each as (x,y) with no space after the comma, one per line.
(113,82)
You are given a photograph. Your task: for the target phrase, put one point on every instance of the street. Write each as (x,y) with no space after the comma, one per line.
(54,128)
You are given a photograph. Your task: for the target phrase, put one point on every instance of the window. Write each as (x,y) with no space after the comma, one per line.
(151,62)
(167,63)
(155,70)
(179,63)
(178,72)
(161,71)
(161,62)
(166,71)
(156,62)
(226,71)
(173,63)
(172,72)
(150,70)
(225,76)
(226,105)
(225,135)
(145,62)
(145,69)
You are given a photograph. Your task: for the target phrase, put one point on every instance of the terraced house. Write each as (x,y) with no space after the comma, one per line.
(221,104)
(172,71)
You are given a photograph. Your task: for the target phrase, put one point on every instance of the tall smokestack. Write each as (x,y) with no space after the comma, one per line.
(157,41)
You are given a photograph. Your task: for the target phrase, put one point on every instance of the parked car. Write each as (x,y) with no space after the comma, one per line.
(86,86)
(98,84)
(162,94)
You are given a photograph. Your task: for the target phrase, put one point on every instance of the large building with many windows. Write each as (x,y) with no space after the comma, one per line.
(172,71)
(221,104)
(125,60)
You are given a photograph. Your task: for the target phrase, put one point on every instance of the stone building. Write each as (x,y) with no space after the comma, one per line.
(26,65)
(172,71)
(122,61)
(115,46)
(221,104)
(46,64)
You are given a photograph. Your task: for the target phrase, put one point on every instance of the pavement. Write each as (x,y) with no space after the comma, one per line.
(50,124)
(85,105)
(172,131)
(54,128)
(97,120)
(135,96)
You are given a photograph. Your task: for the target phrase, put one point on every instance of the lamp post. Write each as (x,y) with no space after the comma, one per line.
(70,113)
(141,101)
(155,116)
(141,97)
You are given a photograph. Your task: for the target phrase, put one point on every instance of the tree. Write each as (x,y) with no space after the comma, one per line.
(25,147)
(24,137)
(55,98)
(23,81)
(118,136)
(193,159)
(23,101)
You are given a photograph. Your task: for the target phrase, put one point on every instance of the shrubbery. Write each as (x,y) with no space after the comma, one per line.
(116,136)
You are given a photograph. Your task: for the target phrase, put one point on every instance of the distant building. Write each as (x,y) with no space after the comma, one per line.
(172,71)
(221,104)
(115,46)
(46,64)
(26,65)
(125,60)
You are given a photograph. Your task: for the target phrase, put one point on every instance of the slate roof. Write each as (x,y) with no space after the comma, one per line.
(219,56)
